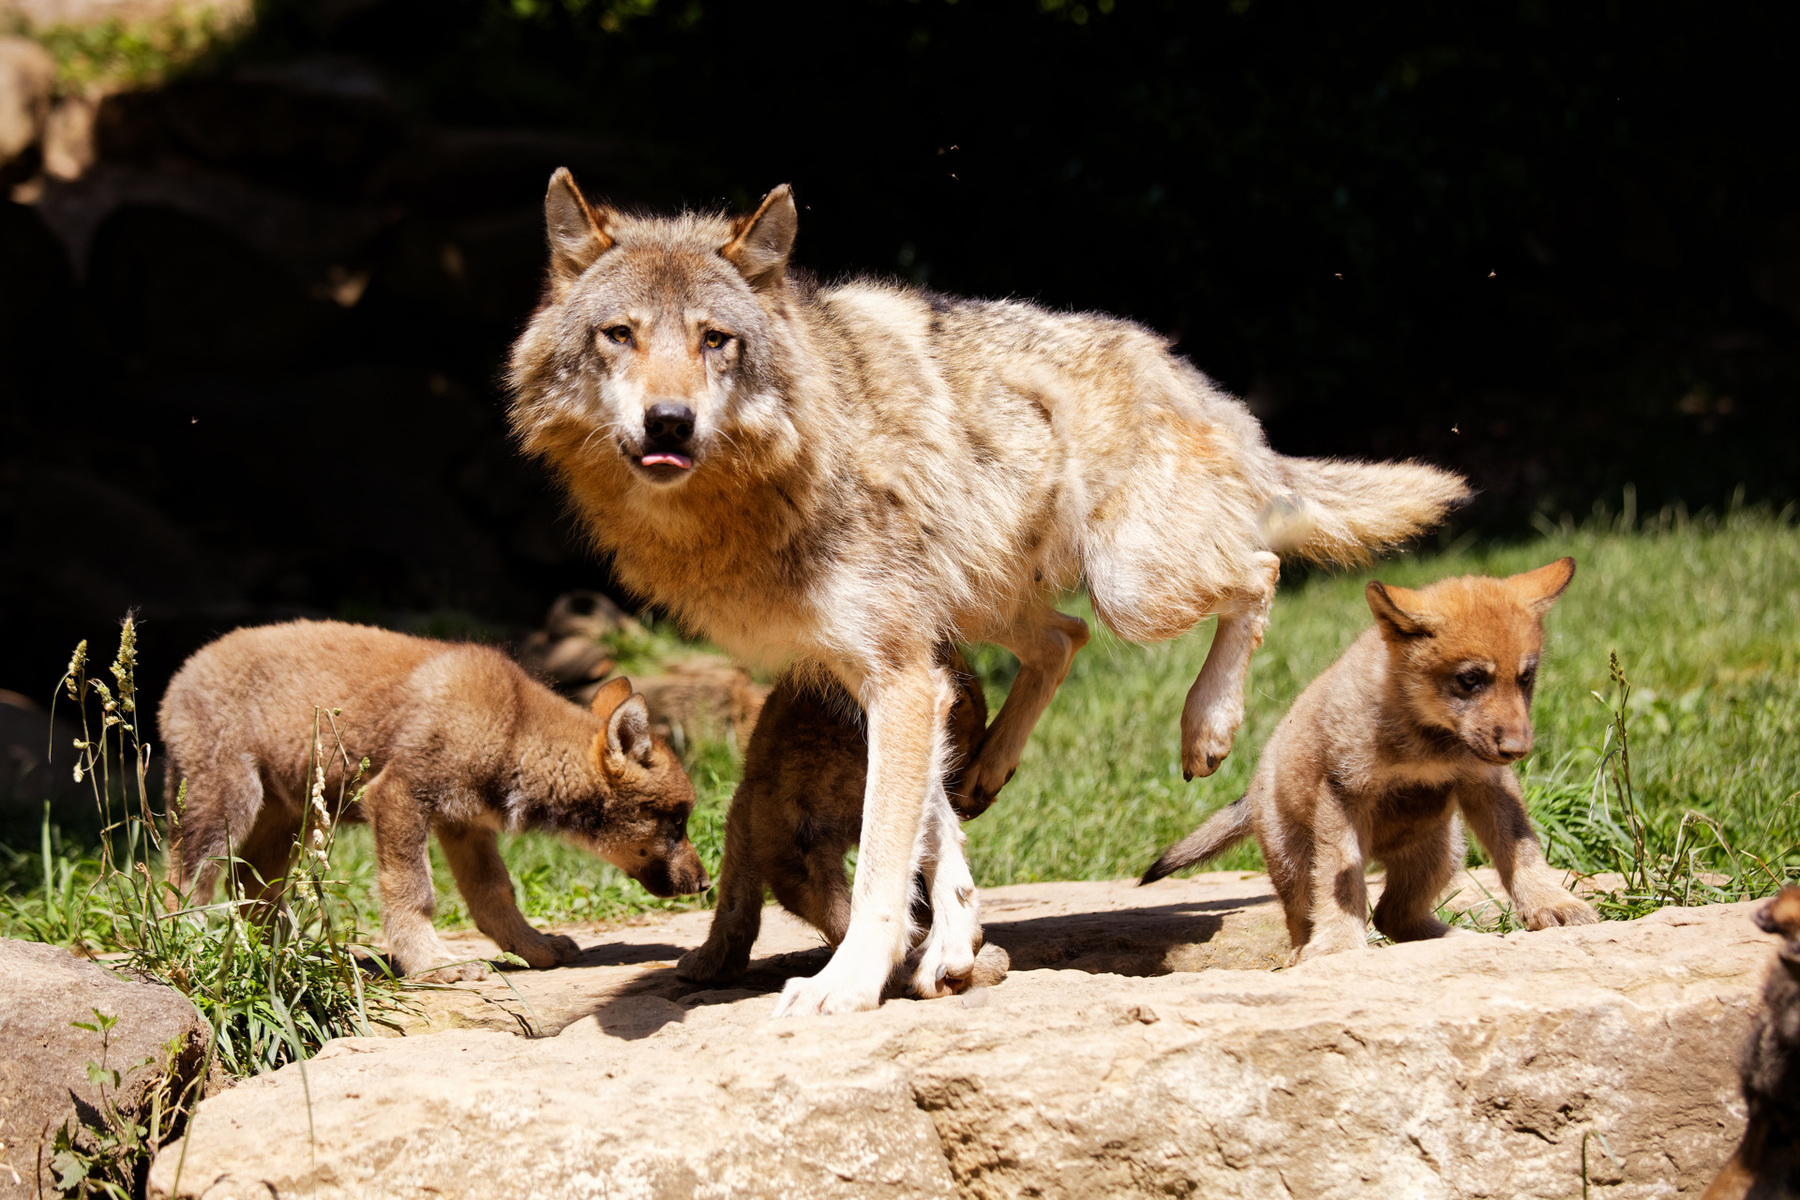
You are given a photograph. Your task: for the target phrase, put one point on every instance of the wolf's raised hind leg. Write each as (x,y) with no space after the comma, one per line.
(906,710)
(947,960)
(1044,641)
(1215,704)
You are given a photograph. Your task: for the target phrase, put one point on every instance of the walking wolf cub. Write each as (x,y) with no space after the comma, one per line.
(853,474)
(799,808)
(459,740)
(1420,719)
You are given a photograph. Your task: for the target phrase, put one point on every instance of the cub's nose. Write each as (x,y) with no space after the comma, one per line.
(1512,746)
(668,424)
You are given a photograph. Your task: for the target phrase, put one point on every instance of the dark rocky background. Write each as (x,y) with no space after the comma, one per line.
(249,357)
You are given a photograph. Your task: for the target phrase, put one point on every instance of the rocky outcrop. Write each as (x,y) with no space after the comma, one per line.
(44,1056)
(1526,1066)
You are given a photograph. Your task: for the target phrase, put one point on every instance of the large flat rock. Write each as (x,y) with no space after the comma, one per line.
(1141,1046)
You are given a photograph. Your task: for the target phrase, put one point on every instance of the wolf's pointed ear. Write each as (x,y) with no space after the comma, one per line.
(1539,589)
(628,732)
(612,693)
(577,232)
(1398,612)
(761,242)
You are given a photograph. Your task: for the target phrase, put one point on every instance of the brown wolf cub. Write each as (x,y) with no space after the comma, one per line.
(1420,719)
(852,475)
(459,740)
(799,808)
(1767,1161)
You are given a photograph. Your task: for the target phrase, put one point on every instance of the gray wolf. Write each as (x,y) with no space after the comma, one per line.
(1419,720)
(459,740)
(798,809)
(848,476)
(1767,1162)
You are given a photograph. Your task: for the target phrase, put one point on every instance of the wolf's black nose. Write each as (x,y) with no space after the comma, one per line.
(669,424)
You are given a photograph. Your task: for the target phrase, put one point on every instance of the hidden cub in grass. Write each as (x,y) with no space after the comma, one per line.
(459,741)
(799,809)
(1420,720)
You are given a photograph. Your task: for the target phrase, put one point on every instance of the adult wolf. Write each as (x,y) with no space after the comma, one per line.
(852,474)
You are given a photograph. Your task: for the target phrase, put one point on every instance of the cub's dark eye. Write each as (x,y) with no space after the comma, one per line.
(712,339)
(1528,678)
(619,333)
(1471,679)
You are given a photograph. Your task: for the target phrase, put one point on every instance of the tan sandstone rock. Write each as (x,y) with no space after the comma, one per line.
(1472,1066)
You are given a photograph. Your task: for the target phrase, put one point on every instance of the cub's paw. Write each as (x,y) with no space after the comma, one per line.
(1332,941)
(453,973)
(1565,910)
(710,963)
(549,950)
(991,966)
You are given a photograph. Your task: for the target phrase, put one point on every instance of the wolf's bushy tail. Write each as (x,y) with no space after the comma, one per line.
(1223,830)
(1339,511)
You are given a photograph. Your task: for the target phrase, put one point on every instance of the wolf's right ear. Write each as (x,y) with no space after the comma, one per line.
(762,241)
(577,232)
(1398,612)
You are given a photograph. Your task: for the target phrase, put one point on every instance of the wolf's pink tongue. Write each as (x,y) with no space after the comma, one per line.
(673,460)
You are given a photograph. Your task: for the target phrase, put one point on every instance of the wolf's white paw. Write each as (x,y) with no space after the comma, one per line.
(1333,940)
(947,963)
(1565,910)
(851,982)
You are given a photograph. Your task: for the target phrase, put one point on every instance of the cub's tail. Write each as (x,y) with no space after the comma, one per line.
(1337,511)
(1223,830)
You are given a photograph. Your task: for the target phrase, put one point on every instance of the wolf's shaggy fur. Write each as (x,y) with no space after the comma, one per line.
(459,740)
(799,808)
(1418,721)
(1767,1162)
(864,471)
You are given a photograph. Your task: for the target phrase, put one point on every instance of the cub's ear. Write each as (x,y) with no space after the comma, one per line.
(628,732)
(762,241)
(1539,589)
(1399,612)
(577,231)
(612,693)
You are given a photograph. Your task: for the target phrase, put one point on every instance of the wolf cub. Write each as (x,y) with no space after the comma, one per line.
(459,740)
(1767,1161)
(1422,718)
(799,809)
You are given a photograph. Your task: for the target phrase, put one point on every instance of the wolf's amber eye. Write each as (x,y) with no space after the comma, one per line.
(714,340)
(620,334)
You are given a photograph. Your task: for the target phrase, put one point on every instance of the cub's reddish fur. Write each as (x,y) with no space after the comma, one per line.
(459,741)
(1417,724)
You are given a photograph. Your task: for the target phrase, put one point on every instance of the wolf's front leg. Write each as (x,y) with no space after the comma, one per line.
(947,960)
(1495,812)
(1215,704)
(906,711)
(1045,642)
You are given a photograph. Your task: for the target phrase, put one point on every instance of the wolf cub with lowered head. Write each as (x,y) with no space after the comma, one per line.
(799,809)
(459,740)
(1419,720)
